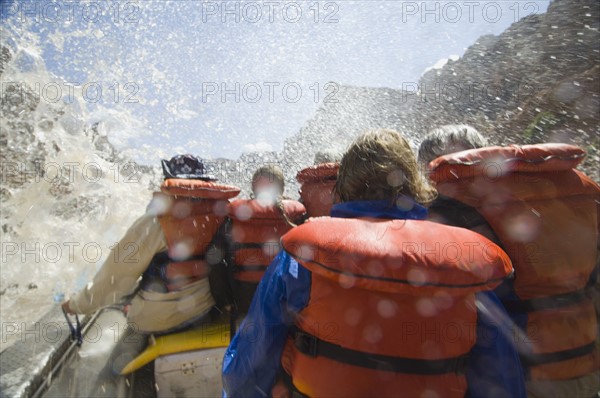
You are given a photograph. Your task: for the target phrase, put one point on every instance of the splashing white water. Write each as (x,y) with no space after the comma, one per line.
(67,194)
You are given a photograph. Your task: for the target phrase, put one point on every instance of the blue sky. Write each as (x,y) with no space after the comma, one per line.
(169,53)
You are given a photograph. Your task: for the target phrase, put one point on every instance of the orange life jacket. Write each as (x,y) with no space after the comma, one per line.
(391,309)
(316,190)
(545,215)
(255,233)
(190,214)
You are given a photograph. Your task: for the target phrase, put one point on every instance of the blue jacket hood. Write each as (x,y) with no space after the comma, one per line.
(404,208)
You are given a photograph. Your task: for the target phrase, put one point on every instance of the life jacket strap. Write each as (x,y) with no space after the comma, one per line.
(289,383)
(558,356)
(313,346)
(157,275)
(549,302)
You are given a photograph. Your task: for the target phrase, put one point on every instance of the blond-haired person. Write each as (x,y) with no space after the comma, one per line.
(357,304)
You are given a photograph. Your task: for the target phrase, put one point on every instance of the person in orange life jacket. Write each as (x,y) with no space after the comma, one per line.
(317,182)
(159,265)
(358,304)
(250,236)
(546,215)
(451,139)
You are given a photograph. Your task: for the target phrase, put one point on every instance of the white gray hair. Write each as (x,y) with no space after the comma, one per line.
(449,139)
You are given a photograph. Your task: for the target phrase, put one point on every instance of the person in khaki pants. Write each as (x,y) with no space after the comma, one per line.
(161,266)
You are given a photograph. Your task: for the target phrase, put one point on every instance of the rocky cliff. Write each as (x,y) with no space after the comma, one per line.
(536,82)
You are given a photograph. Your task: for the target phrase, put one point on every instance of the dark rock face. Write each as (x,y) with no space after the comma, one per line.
(5,56)
(536,82)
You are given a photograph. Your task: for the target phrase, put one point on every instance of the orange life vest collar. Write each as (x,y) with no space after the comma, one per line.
(404,257)
(319,172)
(198,189)
(317,184)
(493,162)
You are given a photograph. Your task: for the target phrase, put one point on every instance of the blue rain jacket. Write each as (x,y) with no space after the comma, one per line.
(252,360)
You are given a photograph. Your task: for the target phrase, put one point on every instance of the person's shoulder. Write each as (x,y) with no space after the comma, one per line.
(147,221)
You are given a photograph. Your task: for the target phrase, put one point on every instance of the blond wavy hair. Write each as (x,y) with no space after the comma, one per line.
(380,165)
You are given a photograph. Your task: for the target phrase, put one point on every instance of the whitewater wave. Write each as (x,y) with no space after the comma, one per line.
(67,193)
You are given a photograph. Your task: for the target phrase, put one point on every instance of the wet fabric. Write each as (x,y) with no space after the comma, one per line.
(252,361)
(545,215)
(118,277)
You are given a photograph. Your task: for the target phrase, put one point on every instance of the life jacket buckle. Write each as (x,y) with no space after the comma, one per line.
(306,343)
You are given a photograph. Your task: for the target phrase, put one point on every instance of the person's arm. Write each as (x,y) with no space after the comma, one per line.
(252,360)
(125,263)
(494,368)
